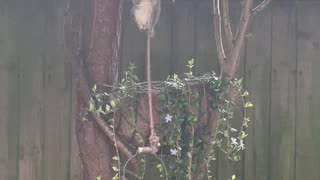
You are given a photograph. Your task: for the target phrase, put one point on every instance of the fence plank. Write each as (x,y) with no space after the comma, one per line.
(57,120)
(161,44)
(9,93)
(205,53)
(30,29)
(57,97)
(308,99)
(283,92)
(75,165)
(182,36)
(5,52)
(257,81)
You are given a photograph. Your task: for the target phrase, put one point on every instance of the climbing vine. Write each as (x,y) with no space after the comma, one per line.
(193,115)
(185,106)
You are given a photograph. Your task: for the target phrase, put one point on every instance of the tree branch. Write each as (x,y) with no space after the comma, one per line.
(239,39)
(261,6)
(218,33)
(226,24)
(108,131)
(230,64)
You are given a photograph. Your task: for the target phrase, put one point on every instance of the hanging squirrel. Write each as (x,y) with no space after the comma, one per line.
(146,14)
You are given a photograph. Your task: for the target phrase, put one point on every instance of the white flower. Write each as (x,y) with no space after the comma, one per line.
(168,118)
(241,146)
(173,152)
(234,142)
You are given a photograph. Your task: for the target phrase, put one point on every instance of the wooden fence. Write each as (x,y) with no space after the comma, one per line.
(280,66)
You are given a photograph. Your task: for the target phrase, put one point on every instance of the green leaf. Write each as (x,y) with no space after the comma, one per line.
(115,177)
(135,77)
(189,154)
(101,111)
(245,124)
(113,104)
(239,81)
(91,105)
(226,133)
(235,158)
(98,177)
(116,169)
(248,105)
(243,135)
(160,167)
(99,96)
(191,62)
(107,108)
(94,88)
(175,77)
(233,177)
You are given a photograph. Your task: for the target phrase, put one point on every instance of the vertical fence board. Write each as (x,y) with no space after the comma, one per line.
(57,96)
(283,92)
(161,45)
(9,93)
(30,31)
(308,99)
(57,121)
(75,164)
(205,53)
(5,52)
(182,36)
(257,81)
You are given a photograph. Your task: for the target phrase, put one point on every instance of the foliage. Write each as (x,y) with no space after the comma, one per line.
(182,130)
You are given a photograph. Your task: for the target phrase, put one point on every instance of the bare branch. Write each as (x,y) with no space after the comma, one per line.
(226,24)
(239,39)
(261,6)
(108,131)
(85,93)
(218,33)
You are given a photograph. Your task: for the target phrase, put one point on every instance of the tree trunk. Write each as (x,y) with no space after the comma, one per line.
(92,36)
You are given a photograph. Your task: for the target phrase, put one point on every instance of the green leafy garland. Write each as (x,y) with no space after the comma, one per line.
(183,136)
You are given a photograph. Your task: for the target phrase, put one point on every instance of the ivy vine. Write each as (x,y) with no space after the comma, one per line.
(182,130)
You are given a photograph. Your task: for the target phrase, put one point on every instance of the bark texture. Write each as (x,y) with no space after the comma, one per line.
(92,36)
